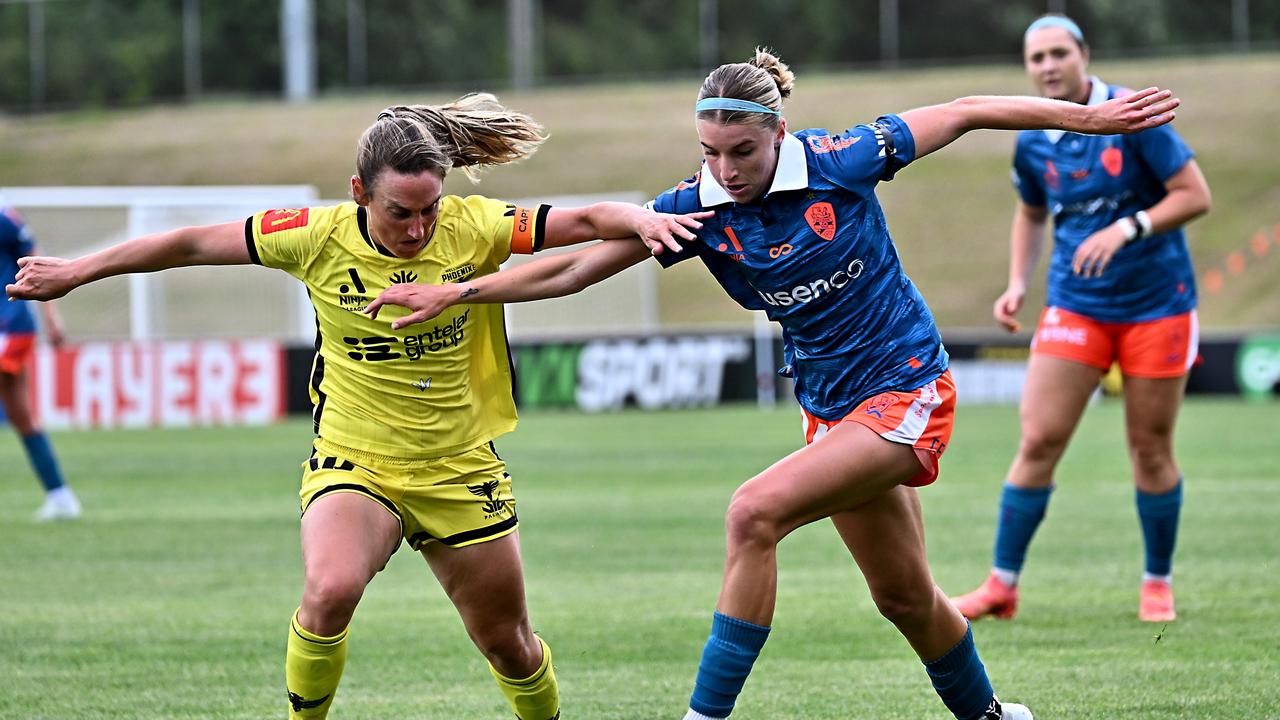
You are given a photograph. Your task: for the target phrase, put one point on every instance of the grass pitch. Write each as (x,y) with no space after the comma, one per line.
(171,598)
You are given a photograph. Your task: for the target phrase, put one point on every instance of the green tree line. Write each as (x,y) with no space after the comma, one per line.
(127,52)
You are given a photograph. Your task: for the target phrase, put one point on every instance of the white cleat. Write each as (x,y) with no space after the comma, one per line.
(1014,711)
(59,505)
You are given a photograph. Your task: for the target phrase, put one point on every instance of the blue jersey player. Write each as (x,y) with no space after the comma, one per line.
(1121,290)
(797,232)
(17,343)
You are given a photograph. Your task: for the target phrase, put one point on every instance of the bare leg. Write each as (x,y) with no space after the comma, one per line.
(1053,400)
(1150,412)
(346,539)
(485,582)
(886,538)
(850,466)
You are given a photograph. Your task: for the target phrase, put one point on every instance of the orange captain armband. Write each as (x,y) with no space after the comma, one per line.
(528,228)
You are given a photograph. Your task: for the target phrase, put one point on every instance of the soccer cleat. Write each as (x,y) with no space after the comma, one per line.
(62,506)
(991,598)
(1155,603)
(1014,711)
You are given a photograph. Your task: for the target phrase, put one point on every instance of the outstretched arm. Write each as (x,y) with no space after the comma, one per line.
(937,126)
(612,220)
(46,278)
(548,277)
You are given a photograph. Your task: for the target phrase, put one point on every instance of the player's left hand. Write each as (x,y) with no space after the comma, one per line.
(661,232)
(423,301)
(1094,254)
(1132,113)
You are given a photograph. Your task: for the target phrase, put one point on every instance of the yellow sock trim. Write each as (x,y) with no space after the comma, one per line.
(312,668)
(536,697)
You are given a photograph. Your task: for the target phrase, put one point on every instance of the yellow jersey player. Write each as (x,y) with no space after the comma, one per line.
(405,417)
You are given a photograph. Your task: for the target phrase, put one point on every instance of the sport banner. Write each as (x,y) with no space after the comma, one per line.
(158,384)
(649,373)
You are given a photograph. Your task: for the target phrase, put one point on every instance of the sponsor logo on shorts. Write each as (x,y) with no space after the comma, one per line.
(880,403)
(493,505)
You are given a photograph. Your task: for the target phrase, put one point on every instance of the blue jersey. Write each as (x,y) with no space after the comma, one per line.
(1090,181)
(15,241)
(815,254)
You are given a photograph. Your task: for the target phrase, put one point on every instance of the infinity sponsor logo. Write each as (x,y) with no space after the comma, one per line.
(814,289)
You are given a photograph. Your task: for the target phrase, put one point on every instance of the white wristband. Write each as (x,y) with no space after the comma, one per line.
(1144,223)
(1129,228)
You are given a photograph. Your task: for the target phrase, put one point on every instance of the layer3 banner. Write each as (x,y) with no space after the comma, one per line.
(160,384)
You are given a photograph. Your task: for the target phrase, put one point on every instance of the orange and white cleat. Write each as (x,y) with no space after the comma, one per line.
(1155,603)
(991,598)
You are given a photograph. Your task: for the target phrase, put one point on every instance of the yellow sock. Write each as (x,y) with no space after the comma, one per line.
(536,697)
(312,668)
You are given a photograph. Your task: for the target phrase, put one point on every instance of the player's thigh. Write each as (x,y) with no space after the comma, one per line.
(886,538)
(1151,406)
(847,467)
(1054,396)
(14,375)
(347,536)
(485,581)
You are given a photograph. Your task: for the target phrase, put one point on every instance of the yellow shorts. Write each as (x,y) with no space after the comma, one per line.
(455,500)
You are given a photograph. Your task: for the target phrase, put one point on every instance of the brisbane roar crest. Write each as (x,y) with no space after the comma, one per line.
(822,220)
(1113,161)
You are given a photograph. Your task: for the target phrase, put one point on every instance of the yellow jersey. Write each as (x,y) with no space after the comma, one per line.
(427,390)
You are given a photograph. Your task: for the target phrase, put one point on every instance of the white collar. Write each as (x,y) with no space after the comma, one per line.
(792,173)
(1097,95)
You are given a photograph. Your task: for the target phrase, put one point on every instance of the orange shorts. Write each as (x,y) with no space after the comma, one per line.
(1162,348)
(922,418)
(15,351)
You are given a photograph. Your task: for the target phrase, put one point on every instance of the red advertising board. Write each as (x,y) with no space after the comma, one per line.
(159,384)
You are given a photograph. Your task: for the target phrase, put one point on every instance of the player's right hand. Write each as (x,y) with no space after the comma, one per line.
(1007,306)
(423,301)
(41,278)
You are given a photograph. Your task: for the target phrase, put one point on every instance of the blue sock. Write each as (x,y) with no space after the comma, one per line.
(1158,515)
(727,658)
(1021,510)
(40,452)
(961,680)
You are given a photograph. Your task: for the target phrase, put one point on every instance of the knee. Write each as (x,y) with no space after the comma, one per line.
(1042,443)
(513,649)
(904,605)
(331,597)
(750,522)
(1150,452)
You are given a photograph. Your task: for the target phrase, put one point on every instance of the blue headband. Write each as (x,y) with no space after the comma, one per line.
(1057,21)
(722,103)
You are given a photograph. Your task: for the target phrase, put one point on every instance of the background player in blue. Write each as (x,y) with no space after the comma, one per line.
(1121,289)
(798,233)
(17,343)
